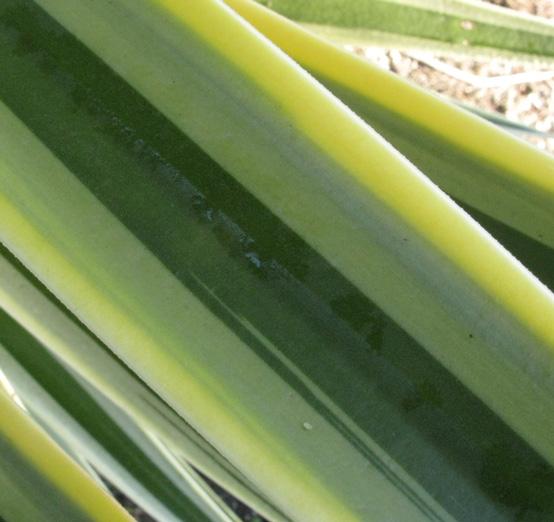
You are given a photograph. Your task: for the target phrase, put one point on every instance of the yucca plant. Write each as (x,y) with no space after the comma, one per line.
(233,250)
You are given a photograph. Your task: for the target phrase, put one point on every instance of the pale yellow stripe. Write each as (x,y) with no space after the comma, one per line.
(55,467)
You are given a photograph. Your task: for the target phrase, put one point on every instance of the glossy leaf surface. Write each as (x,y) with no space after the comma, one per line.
(274,270)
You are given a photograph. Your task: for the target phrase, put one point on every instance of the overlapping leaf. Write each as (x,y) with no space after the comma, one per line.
(323,315)
(462,27)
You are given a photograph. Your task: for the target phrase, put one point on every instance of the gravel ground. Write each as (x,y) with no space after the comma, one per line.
(531,103)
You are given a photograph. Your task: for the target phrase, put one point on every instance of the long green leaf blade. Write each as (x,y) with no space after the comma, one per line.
(21,298)
(456,26)
(198,330)
(72,418)
(214,408)
(508,188)
(472,162)
(39,482)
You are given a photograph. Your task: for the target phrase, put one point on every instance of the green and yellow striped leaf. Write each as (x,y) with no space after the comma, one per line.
(127,401)
(461,27)
(346,336)
(39,482)
(504,183)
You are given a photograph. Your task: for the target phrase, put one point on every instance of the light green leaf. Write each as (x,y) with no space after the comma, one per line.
(77,423)
(100,372)
(39,482)
(224,407)
(503,122)
(269,331)
(462,27)
(507,185)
